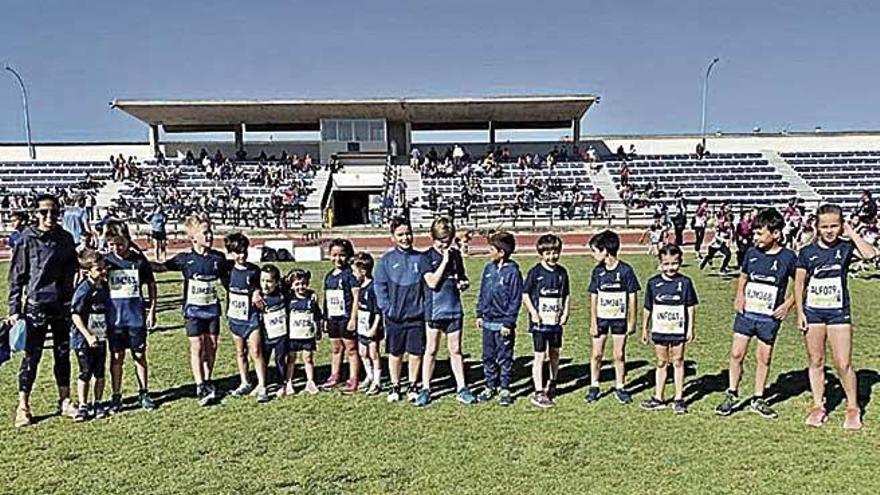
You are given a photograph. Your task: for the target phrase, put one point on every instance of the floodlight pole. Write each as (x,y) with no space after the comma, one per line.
(27,116)
(705,98)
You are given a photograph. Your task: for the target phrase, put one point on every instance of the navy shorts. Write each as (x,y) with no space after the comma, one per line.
(542,341)
(121,339)
(297,345)
(339,330)
(401,337)
(662,339)
(196,327)
(763,330)
(828,316)
(613,327)
(242,331)
(380,335)
(157,235)
(446,326)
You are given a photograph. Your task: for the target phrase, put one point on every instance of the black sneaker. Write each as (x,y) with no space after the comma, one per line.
(146,401)
(116,404)
(679,407)
(486,395)
(101,410)
(760,406)
(82,413)
(412,393)
(592,394)
(622,396)
(653,404)
(211,390)
(726,408)
(202,394)
(551,390)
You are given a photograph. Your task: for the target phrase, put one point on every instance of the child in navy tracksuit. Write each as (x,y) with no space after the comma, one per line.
(274,323)
(88,332)
(400,295)
(497,311)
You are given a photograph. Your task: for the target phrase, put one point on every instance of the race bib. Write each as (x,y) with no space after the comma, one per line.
(611,305)
(363,323)
(201,292)
(98,325)
(302,325)
(667,320)
(761,298)
(239,306)
(825,293)
(549,310)
(124,284)
(335,302)
(276,323)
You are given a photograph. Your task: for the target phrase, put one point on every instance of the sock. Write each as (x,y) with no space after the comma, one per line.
(377,375)
(368,370)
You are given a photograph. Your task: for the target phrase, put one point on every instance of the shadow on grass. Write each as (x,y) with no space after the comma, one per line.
(647,380)
(700,387)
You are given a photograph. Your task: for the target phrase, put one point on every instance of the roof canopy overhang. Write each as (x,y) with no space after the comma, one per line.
(504,112)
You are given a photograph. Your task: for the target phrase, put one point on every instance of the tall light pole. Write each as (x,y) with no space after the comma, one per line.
(27,116)
(705,97)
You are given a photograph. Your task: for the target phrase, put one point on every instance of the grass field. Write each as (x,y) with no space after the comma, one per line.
(338,444)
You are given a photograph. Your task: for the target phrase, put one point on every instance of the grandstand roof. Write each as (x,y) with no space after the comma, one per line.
(505,112)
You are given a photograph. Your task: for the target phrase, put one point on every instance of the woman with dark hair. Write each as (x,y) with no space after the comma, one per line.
(698,223)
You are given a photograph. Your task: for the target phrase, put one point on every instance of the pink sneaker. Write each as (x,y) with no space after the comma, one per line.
(351,386)
(817,417)
(331,382)
(853,420)
(288,389)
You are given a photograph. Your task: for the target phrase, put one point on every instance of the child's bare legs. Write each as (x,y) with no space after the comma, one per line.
(82,392)
(209,349)
(376,358)
(619,342)
(738,350)
(596,352)
(414,365)
(99,389)
(354,362)
(336,348)
(394,368)
(554,364)
(538,371)
(195,359)
(432,344)
(815,340)
(255,346)
(308,358)
(662,353)
(291,368)
(677,355)
(763,356)
(840,338)
(241,358)
(364,353)
(456,360)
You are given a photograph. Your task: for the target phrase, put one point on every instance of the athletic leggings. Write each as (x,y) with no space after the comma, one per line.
(92,361)
(714,249)
(700,233)
(279,346)
(39,324)
(497,358)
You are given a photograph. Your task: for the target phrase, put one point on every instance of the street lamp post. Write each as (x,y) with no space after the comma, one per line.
(705,97)
(27,117)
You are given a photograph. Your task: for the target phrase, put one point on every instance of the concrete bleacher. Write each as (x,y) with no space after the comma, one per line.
(23,177)
(838,176)
(736,178)
(498,199)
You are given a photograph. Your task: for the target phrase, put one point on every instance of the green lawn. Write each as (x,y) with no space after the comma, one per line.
(338,444)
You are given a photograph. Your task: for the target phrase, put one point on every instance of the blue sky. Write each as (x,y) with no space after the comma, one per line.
(792,64)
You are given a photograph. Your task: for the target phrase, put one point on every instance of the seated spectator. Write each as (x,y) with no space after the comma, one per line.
(241,154)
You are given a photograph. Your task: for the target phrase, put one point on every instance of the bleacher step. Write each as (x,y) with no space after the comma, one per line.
(788,173)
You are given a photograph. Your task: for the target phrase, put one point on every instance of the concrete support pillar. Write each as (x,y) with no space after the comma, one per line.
(408,140)
(491,132)
(239,136)
(576,130)
(154,139)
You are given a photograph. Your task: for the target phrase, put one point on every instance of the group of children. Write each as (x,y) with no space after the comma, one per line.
(410,299)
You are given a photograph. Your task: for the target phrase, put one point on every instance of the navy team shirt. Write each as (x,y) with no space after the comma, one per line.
(827,269)
(125,278)
(668,299)
(768,276)
(274,316)
(303,315)
(202,273)
(547,291)
(443,302)
(243,282)
(338,297)
(612,288)
(399,285)
(90,303)
(368,309)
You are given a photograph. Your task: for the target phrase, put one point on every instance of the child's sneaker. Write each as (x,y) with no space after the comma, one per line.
(551,390)
(622,396)
(211,391)
(760,406)
(653,404)
(592,395)
(23,417)
(375,388)
(365,385)
(311,388)
(465,396)
(679,407)
(203,395)
(423,399)
(351,386)
(541,400)
(67,408)
(412,393)
(394,393)
(853,419)
(486,395)
(330,383)
(262,396)
(504,398)
(81,414)
(116,403)
(101,410)
(243,390)
(817,417)
(288,389)
(726,407)
(146,401)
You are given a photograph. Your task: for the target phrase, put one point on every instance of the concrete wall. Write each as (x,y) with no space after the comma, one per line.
(516,147)
(54,152)
(253,148)
(742,144)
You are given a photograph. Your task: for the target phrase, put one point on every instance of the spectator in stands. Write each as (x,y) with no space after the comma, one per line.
(624,175)
(598,203)
(698,223)
(591,154)
(457,154)
(621,154)
(157,231)
(75,220)
(701,151)
(19,222)
(679,222)
(631,155)
(241,154)
(867,208)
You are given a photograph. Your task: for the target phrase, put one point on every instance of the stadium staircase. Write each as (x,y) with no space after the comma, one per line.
(109,193)
(419,216)
(313,215)
(802,189)
(603,182)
